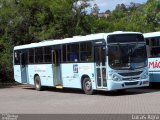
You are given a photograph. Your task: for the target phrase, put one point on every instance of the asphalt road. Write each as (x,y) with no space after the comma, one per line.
(24,99)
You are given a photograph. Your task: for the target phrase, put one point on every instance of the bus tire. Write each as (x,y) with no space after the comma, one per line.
(37,83)
(87,86)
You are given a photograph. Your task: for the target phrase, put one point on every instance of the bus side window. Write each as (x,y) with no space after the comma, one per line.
(24,60)
(17,57)
(31,55)
(64,53)
(39,55)
(147,41)
(73,52)
(153,42)
(48,54)
(155,52)
(103,56)
(86,51)
(73,56)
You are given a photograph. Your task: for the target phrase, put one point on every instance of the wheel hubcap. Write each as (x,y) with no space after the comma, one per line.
(37,83)
(88,85)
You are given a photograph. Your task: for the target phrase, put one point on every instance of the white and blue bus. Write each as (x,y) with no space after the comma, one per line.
(153,50)
(104,61)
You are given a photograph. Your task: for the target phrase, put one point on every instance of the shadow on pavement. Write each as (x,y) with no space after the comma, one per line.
(132,91)
(53,89)
(9,85)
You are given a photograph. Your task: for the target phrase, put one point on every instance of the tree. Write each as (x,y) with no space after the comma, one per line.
(28,21)
(152,14)
(120,7)
(95,9)
(107,11)
(24,22)
(80,23)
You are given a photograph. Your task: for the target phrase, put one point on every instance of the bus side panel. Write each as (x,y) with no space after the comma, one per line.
(44,71)
(72,73)
(17,73)
(151,77)
(31,74)
(154,69)
(46,75)
(156,77)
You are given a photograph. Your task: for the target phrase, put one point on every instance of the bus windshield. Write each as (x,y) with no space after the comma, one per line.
(127,56)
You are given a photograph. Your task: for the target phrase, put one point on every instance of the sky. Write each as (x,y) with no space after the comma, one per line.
(111,4)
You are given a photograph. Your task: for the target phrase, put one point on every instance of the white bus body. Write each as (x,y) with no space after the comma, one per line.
(153,50)
(104,61)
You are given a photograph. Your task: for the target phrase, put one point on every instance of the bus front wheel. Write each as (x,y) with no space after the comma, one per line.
(37,83)
(87,86)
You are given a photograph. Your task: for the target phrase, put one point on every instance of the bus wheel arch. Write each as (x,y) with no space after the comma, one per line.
(86,85)
(37,82)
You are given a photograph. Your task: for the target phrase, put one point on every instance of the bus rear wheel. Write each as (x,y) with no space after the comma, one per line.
(87,86)
(37,83)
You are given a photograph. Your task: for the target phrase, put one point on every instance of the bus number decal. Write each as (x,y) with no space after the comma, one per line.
(75,68)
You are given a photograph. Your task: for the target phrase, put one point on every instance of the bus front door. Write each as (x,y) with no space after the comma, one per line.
(23,66)
(56,60)
(100,61)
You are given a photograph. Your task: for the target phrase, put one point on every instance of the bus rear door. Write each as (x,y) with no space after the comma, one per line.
(56,61)
(23,66)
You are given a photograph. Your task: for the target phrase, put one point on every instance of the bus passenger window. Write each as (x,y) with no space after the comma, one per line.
(103,51)
(153,42)
(31,55)
(147,41)
(17,57)
(73,52)
(64,53)
(155,52)
(39,55)
(24,59)
(86,51)
(73,57)
(48,54)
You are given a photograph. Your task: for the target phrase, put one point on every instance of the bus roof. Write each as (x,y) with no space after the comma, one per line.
(151,34)
(72,40)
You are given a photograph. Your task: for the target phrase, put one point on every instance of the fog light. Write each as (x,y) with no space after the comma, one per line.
(145,82)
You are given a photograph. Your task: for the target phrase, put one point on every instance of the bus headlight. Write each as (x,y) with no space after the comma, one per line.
(116,77)
(144,75)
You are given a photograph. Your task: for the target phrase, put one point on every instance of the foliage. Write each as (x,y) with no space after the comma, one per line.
(24,22)
(28,21)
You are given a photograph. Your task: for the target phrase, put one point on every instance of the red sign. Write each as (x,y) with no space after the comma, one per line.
(154,64)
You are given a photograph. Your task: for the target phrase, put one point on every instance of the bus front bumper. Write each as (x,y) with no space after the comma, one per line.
(116,85)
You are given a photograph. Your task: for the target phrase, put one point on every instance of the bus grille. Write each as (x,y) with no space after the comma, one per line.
(131,78)
(131,73)
(131,83)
